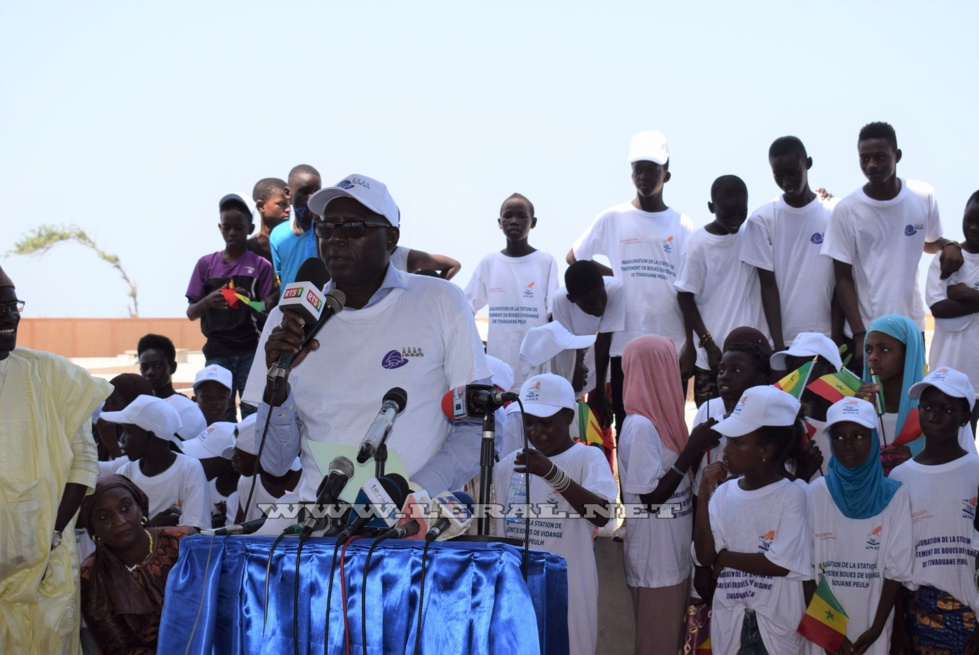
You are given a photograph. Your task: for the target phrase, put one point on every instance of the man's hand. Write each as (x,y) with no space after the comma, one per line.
(215,300)
(703,437)
(713,355)
(286,338)
(168,517)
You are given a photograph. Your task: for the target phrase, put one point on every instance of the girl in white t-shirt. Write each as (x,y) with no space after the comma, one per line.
(655,455)
(940,609)
(754,529)
(861,529)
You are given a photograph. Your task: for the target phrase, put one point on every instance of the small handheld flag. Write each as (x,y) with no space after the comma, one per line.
(795,382)
(836,386)
(824,622)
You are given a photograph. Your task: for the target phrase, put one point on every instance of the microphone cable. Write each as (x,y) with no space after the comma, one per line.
(329,598)
(200,606)
(343,590)
(421,601)
(268,576)
(526,530)
(363,604)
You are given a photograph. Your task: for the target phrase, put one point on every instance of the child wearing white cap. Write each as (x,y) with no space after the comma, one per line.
(942,480)
(214,447)
(755,529)
(645,241)
(214,393)
(174,483)
(566,478)
(518,284)
(861,528)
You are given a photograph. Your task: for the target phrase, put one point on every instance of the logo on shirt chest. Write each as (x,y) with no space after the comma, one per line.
(873,539)
(668,245)
(396,359)
(528,291)
(969,508)
(911,230)
(765,541)
(816,238)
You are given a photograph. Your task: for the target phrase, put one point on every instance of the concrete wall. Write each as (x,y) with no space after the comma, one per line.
(103,337)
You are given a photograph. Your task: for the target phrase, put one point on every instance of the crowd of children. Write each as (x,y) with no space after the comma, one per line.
(779,497)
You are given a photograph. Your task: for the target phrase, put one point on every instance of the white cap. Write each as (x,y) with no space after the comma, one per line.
(191,418)
(365,190)
(545,342)
(809,344)
(217,440)
(502,372)
(851,410)
(214,373)
(758,407)
(947,380)
(248,437)
(150,413)
(546,394)
(234,197)
(649,146)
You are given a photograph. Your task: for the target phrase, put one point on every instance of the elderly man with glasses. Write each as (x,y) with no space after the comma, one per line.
(48,463)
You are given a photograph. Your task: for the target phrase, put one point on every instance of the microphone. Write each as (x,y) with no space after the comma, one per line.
(393,404)
(341,470)
(305,298)
(375,500)
(456,509)
(474,401)
(247,527)
(414,517)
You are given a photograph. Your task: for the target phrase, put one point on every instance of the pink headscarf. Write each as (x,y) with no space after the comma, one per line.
(651,387)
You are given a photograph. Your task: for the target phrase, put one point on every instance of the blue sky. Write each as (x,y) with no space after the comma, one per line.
(130,120)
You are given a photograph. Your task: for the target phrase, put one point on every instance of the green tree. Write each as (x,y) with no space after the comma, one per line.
(41,239)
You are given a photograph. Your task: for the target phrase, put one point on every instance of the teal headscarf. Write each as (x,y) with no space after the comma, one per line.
(907,332)
(862,491)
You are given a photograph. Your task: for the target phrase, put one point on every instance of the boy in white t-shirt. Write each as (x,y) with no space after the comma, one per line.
(590,303)
(566,477)
(876,236)
(517,283)
(716,291)
(782,240)
(954,303)
(174,483)
(213,448)
(645,241)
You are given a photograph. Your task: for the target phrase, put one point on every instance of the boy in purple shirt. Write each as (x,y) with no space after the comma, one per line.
(230,325)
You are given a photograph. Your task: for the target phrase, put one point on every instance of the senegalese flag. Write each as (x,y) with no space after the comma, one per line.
(836,386)
(911,429)
(703,648)
(824,622)
(232,297)
(589,431)
(795,382)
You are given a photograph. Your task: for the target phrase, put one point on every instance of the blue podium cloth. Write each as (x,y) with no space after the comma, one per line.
(475,598)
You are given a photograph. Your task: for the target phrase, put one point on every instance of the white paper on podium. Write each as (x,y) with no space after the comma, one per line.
(324,453)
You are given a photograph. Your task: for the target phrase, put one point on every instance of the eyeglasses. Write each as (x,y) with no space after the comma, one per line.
(15,307)
(349,229)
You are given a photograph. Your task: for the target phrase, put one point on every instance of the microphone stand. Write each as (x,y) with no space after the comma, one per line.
(487,455)
(380,456)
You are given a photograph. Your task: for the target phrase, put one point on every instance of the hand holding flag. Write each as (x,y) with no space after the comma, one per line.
(824,622)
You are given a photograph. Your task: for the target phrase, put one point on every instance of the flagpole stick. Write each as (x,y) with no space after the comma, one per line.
(881,409)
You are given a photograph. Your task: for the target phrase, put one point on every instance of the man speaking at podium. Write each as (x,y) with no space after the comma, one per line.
(396,330)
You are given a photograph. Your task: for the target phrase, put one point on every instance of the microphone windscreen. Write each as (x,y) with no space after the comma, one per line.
(398,396)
